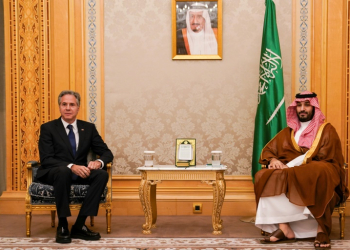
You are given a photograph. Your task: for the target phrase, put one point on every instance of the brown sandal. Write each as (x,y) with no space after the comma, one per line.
(281,238)
(322,238)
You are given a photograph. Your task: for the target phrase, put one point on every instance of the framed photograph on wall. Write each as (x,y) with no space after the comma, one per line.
(196,29)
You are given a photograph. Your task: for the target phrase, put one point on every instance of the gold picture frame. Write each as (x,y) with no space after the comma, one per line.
(181,42)
(185,141)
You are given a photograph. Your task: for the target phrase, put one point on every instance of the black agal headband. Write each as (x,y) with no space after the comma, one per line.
(299,95)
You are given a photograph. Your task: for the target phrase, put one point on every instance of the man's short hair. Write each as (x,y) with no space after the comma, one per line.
(69,92)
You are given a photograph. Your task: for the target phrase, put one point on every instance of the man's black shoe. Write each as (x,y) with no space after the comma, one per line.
(62,235)
(84,233)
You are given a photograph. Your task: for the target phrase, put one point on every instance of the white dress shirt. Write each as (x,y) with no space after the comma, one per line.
(76,134)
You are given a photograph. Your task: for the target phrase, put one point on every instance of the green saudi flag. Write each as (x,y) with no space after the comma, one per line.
(271,112)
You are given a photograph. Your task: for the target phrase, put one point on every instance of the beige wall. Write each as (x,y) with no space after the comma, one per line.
(150,99)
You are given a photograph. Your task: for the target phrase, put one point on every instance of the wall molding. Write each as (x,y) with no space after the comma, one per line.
(28,83)
(126,201)
(94,62)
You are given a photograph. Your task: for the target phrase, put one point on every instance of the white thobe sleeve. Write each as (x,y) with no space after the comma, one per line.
(296,161)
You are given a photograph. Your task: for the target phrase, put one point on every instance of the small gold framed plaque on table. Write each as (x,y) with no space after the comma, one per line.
(185,152)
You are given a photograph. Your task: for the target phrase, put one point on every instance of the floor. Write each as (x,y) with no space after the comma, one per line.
(131,227)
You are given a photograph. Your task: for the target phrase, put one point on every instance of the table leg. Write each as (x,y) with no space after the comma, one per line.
(147,192)
(144,191)
(153,201)
(219,189)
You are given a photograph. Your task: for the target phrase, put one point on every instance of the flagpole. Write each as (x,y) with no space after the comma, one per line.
(271,112)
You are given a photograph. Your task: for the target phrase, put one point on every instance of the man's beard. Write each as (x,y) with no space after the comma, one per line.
(308,117)
(196,27)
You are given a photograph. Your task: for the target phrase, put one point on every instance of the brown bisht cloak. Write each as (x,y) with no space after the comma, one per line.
(319,183)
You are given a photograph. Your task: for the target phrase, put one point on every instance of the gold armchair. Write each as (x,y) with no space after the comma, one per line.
(340,208)
(39,197)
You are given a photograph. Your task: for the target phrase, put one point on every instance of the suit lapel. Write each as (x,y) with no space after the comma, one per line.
(63,134)
(81,131)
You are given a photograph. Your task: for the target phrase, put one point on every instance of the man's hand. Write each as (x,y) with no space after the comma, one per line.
(94,165)
(81,171)
(276,164)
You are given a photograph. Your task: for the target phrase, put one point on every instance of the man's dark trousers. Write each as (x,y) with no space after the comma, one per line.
(61,179)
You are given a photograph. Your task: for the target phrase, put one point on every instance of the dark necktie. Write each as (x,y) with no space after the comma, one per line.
(71,138)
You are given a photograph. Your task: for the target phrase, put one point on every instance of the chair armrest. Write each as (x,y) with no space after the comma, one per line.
(30,166)
(109,183)
(109,166)
(33,164)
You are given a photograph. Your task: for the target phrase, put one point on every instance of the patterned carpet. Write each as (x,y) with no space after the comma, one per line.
(14,243)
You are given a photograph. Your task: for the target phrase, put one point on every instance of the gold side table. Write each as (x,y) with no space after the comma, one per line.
(150,176)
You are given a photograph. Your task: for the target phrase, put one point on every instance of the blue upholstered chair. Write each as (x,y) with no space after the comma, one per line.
(40,197)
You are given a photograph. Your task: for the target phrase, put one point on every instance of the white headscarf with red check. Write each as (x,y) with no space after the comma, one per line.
(309,134)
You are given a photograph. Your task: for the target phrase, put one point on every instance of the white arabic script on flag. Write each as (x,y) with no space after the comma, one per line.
(268,66)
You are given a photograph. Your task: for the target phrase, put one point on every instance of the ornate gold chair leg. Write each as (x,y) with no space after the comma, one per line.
(28,223)
(108,219)
(92,221)
(53,217)
(342,222)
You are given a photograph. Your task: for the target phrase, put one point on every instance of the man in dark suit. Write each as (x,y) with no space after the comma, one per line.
(64,145)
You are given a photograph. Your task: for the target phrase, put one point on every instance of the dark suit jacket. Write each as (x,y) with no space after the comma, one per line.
(55,149)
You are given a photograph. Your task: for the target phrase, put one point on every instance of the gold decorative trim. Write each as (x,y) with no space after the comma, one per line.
(347,85)
(219,34)
(227,177)
(295,144)
(27,46)
(184,190)
(11,68)
(324,51)
(181,175)
(45,83)
(71,22)
(315,142)
(188,141)
(268,143)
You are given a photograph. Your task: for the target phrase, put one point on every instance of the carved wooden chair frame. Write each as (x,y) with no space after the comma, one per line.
(29,207)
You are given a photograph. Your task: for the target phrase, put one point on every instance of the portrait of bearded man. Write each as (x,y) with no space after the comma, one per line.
(198,37)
